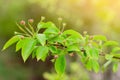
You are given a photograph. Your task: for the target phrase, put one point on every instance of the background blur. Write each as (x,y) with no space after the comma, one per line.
(94,16)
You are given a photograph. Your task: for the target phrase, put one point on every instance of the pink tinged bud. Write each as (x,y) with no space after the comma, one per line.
(30,20)
(22,37)
(59,33)
(91,37)
(71,54)
(55,56)
(22,22)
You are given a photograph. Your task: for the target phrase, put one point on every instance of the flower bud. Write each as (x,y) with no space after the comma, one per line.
(22,37)
(85,32)
(22,22)
(71,54)
(55,56)
(91,37)
(59,33)
(30,20)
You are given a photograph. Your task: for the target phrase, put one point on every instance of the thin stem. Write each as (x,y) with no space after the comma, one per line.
(31,27)
(18,33)
(29,31)
(59,23)
(21,28)
(64,24)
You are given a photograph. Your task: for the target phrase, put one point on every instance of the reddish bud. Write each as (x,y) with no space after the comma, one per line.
(91,37)
(22,22)
(71,54)
(30,20)
(22,37)
(55,56)
(59,33)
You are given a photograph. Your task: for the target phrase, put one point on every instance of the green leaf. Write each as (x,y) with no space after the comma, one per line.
(46,25)
(108,56)
(27,48)
(60,64)
(111,43)
(11,41)
(73,39)
(42,52)
(58,39)
(95,66)
(72,32)
(116,49)
(89,64)
(19,45)
(53,49)
(34,52)
(40,25)
(100,37)
(41,38)
(73,48)
(116,55)
(94,52)
(51,30)
(92,64)
(49,25)
(115,67)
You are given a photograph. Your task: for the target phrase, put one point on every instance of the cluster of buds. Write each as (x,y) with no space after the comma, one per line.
(22,22)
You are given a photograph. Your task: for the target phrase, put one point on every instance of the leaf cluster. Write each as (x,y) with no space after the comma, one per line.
(47,39)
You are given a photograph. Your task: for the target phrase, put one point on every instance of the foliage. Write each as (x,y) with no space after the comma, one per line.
(74,73)
(46,39)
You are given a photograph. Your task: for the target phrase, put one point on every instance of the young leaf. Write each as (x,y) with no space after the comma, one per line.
(19,45)
(46,25)
(100,37)
(42,52)
(116,49)
(94,53)
(11,41)
(53,49)
(49,25)
(89,64)
(27,48)
(34,52)
(73,48)
(95,66)
(41,38)
(108,56)
(72,32)
(115,67)
(40,25)
(51,30)
(111,43)
(60,64)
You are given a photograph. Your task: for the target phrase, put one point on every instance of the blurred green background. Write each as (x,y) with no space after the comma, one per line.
(93,16)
